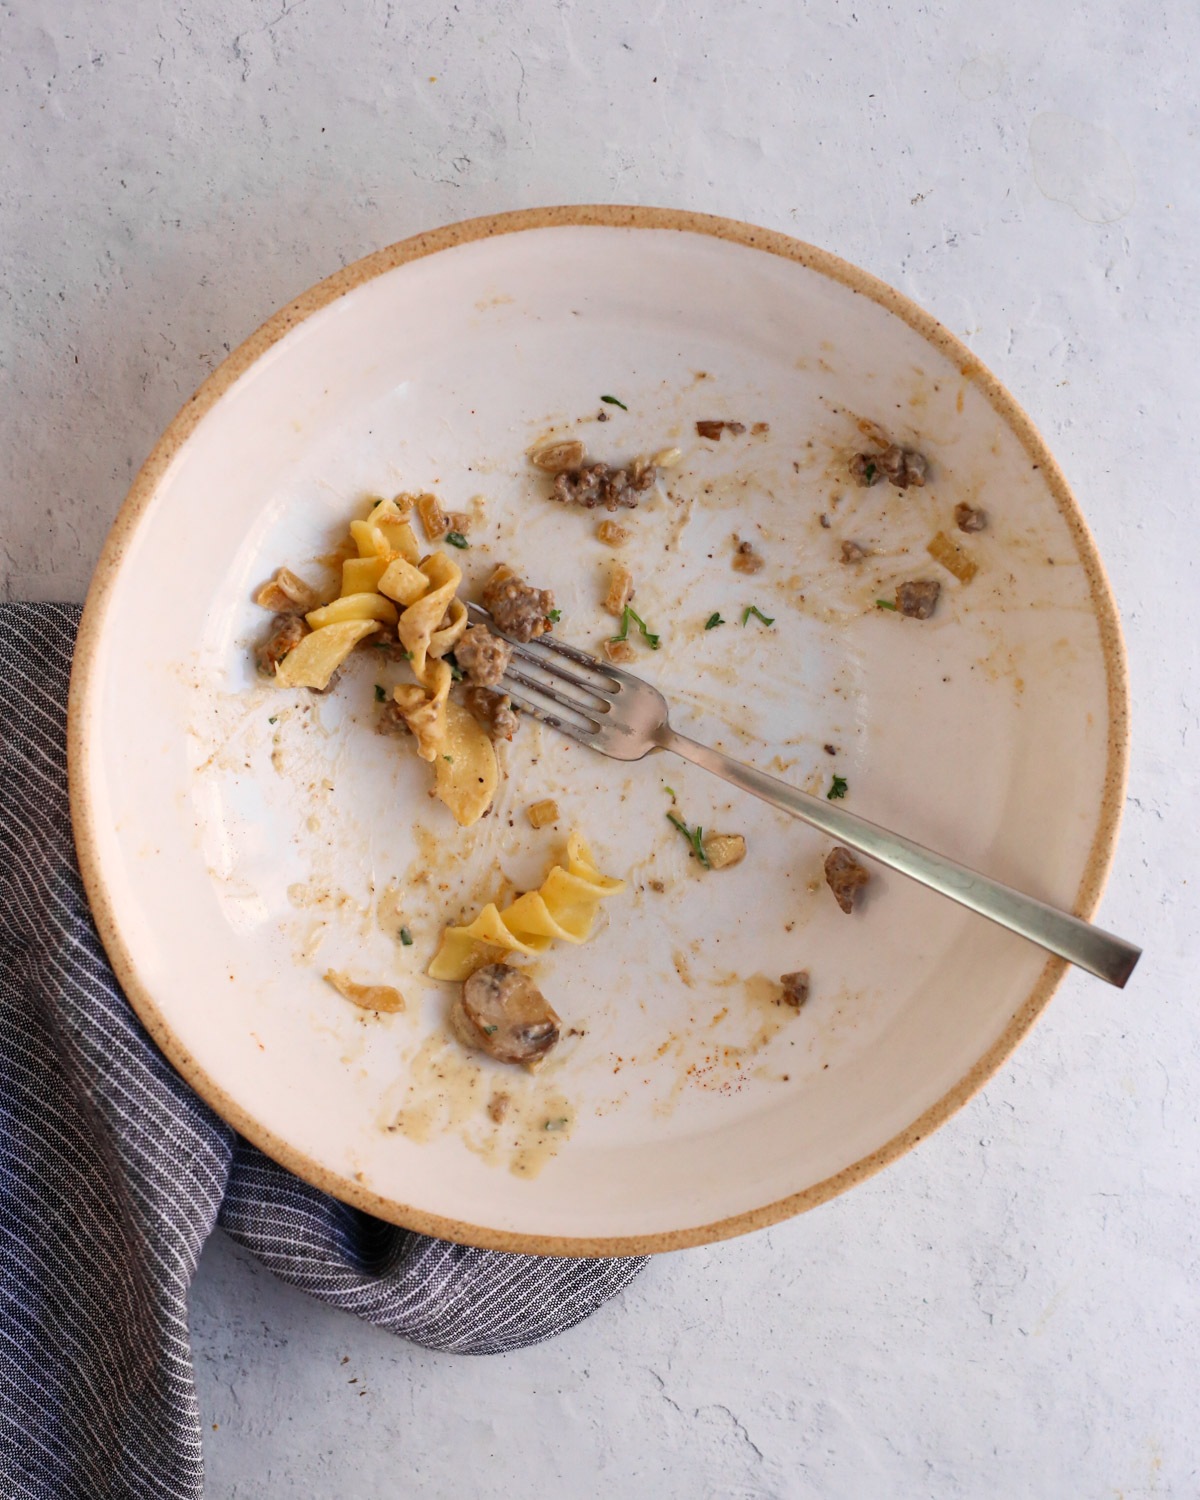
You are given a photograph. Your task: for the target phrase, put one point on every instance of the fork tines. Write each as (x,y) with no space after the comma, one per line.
(541,667)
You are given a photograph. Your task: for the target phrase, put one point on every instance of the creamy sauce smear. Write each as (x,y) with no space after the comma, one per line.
(513,1118)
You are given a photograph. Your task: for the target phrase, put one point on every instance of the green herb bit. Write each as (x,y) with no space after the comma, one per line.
(870,475)
(450,758)
(884,604)
(452,662)
(380,694)
(693,837)
(753,609)
(456,539)
(670,791)
(612,401)
(838,790)
(406,937)
(488,1030)
(630,614)
(714,620)
(554,616)
(274,719)
(560,1124)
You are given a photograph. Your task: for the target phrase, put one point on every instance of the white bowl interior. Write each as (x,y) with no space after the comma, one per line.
(243,858)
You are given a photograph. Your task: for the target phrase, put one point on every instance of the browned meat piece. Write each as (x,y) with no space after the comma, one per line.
(493,710)
(498,1106)
(918,599)
(852,552)
(714,430)
(287,631)
(903,467)
(745,559)
(502,1013)
(518,610)
(795,988)
(386,644)
(845,875)
(482,656)
(391,720)
(967,518)
(824,520)
(598,484)
(759,428)
(865,470)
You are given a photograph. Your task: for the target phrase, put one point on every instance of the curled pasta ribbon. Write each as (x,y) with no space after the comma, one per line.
(427,592)
(338,627)
(564,907)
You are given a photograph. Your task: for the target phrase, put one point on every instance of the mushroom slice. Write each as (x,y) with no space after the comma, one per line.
(501,1012)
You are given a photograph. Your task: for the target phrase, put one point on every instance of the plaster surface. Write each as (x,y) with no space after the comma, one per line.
(1011,1310)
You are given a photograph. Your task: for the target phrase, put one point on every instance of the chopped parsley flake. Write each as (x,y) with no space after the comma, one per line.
(554,616)
(870,474)
(560,1124)
(489,1029)
(693,836)
(274,719)
(380,694)
(452,662)
(839,789)
(670,791)
(612,401)
(753,609)
(456,539)
(406,937)
(713,620)
(450,758)
(647,635)
(884,604)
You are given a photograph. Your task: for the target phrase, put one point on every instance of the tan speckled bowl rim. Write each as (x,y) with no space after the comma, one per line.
(81,712)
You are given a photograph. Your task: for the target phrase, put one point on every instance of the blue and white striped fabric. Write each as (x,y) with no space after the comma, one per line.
(113,1173)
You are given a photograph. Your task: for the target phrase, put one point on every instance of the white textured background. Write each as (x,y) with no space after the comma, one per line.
(1012,1310)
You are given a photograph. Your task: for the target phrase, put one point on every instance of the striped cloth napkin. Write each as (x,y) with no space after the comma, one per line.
(113,1174)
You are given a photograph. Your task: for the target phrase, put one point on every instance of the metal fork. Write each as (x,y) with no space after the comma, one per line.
(610,710)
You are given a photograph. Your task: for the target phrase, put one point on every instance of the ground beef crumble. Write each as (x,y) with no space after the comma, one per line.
(845,876)
(968,518)
(493,710)
(482,657)
(904,467)
(391,720)
(918,599)
(287,631)
(795,988)
(518,610)
(599,484)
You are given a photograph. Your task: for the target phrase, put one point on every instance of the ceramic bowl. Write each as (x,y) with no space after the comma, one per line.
(238,841)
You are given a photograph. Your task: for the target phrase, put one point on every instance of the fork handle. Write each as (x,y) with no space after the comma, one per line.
(1091,948)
